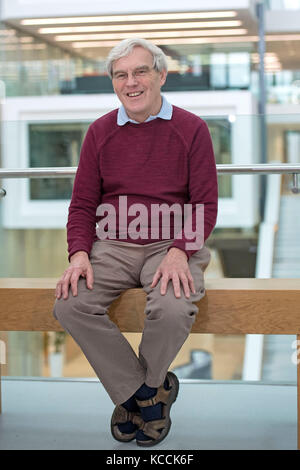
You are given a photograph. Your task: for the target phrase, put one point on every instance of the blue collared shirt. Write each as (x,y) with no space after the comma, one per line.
(165,112)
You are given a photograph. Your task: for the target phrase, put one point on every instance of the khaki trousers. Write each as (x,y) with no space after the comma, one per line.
(119,266)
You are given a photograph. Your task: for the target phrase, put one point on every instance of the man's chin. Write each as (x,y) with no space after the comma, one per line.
(136,114)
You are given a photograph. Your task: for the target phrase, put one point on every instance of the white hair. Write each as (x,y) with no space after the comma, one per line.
(125,47)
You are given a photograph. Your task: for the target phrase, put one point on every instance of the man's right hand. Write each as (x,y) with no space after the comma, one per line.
(79,266)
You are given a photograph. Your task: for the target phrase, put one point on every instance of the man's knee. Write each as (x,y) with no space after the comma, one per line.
(64,309)
(74,308)
(169,309)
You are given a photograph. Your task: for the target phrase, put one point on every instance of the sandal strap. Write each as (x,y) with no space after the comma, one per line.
(122,415)
(138,420)
(161,396)
(150,428)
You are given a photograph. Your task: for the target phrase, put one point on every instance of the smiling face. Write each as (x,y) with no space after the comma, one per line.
(137,84)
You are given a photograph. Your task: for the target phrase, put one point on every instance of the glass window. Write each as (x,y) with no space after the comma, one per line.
(54,145)
(283,4)
(239,70)
(220,130)
(218,71)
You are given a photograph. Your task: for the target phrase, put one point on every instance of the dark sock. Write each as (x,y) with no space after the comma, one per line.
(149,413)
(129,405)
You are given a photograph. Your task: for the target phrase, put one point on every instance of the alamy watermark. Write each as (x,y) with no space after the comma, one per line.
(162,221)
(2,352)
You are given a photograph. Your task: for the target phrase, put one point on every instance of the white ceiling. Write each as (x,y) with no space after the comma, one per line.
(188,38)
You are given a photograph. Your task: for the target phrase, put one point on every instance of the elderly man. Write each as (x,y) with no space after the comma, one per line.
(150,153)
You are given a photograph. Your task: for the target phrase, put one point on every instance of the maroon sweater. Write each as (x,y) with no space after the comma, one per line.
(155,162)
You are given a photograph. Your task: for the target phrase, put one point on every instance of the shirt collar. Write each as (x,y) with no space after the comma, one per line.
(165,112)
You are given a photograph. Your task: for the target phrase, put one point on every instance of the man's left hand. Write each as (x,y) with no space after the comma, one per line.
(174,266)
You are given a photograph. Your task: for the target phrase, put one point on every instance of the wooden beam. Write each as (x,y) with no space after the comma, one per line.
(230,306)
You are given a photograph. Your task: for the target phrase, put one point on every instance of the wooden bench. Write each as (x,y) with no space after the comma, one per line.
(231,306)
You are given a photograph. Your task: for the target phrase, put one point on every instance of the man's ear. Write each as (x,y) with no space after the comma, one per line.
(163,77)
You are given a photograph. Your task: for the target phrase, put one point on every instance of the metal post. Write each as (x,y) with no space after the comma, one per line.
(295,188)
(260,11)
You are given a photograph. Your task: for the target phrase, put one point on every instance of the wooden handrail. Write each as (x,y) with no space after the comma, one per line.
(231,306)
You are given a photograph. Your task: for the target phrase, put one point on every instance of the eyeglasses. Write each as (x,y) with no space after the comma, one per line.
(138,73)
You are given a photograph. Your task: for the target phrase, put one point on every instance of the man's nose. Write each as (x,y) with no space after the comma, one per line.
(131,79)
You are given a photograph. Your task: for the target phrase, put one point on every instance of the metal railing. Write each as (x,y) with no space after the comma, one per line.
(64,172)
(56,172)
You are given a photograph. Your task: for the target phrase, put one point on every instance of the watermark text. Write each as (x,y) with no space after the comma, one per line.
(135,221)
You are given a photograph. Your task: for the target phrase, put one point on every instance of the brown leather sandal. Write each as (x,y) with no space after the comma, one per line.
(167,398)
(120,416)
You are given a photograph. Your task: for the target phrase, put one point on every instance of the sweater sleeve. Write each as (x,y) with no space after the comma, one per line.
(203,189)
(86,198)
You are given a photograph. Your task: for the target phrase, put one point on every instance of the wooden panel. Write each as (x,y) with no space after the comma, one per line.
(231,306)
